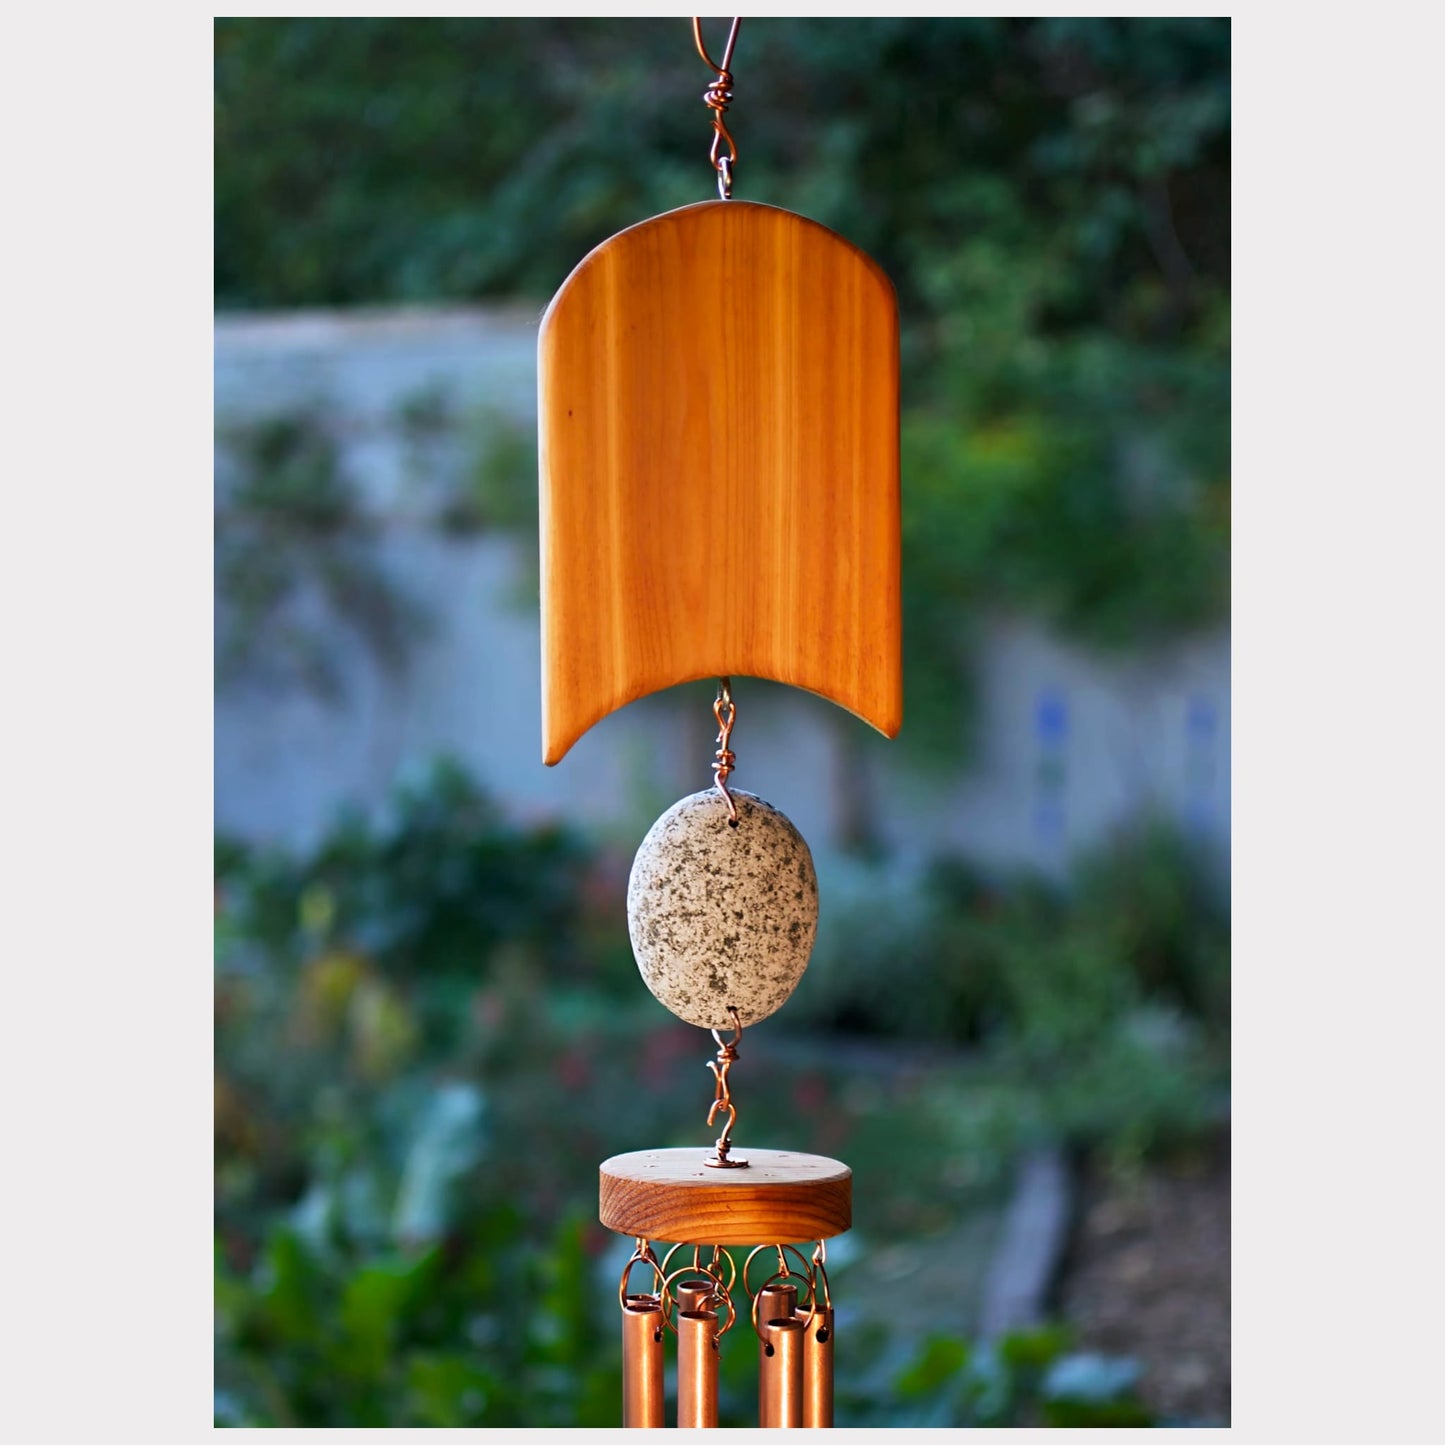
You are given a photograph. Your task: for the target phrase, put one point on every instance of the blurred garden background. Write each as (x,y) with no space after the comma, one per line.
(429,1026)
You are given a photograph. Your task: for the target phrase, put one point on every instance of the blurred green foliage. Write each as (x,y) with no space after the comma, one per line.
(429,1031)
(1026,1379)
(366,160)
(1098,1006)
(1050,197)
(1140,921)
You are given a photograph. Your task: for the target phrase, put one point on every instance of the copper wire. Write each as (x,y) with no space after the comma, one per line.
(727,1054)
(641,1254)
(820,1260)
(717,97)
(712,1269)
(726,713)
(678,1298)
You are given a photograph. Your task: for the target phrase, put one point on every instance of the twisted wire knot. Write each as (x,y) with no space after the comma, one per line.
(719,93)
(725,711)
(717,97)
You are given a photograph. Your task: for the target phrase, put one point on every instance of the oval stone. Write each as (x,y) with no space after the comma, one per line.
(722,915)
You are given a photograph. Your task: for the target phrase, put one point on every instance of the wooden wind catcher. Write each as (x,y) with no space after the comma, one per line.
(719,497)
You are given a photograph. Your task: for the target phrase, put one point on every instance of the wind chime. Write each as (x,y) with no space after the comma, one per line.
(719,497)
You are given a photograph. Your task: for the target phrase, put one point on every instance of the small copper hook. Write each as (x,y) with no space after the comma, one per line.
(726,713)
(727,1054)
(731,1046)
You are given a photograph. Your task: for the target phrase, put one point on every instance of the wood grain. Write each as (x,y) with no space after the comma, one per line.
(780,1198)
(718,448)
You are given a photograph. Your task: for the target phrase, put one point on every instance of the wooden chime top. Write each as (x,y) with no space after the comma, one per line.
(718,437)
(672,1194)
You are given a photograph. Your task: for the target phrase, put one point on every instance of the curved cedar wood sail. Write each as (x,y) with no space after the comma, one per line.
(718,439)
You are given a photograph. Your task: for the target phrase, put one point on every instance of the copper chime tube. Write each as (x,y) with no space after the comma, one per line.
(777,1302)
(697,1369)
(780,1376)
(696,1294)
(642,1363)
(697,1359)
(817,1368)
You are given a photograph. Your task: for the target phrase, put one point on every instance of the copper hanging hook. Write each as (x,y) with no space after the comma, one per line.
(727,1054)
(725,711)
(717,97)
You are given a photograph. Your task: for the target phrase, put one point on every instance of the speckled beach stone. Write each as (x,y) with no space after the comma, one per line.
(721,915)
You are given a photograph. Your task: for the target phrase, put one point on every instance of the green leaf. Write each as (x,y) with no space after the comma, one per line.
(449,1391)
(291,1288)
(939,1361)
(373,1304)
(1034,1349)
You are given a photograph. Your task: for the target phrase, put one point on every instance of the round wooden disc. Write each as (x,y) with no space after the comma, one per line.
(672,1195)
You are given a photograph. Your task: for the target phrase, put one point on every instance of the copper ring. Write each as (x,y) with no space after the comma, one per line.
(721,1295)
(785,1272)
(772,1279)
(638,1257)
